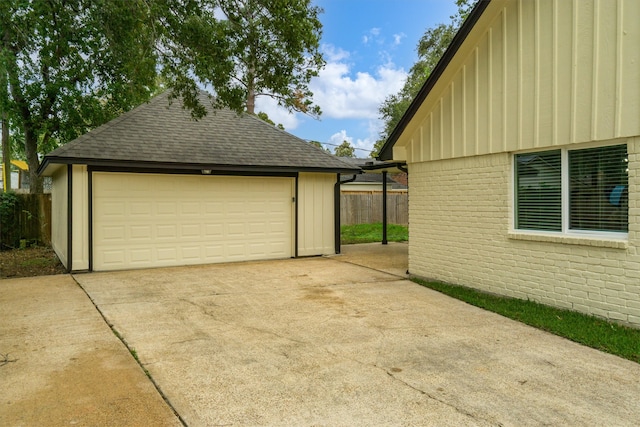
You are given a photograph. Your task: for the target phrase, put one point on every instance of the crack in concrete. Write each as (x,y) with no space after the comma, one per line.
(422,392)
(429,395)
(237,325)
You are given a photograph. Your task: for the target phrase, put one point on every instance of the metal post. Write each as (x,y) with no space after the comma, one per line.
(384,207)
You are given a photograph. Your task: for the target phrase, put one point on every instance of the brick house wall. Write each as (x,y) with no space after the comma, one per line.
(461,232)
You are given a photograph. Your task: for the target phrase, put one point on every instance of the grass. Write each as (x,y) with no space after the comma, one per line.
(581,328)
(370,233)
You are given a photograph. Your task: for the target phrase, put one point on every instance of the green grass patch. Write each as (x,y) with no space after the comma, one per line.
(370,233)
(581,328)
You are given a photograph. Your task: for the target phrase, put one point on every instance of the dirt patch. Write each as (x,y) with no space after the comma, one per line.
(38,261)
(97,388)
(323,295)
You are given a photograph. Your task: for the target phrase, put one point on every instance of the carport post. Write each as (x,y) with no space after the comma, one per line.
(384,207)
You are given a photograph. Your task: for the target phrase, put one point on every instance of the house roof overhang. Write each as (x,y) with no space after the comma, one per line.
(375,166)
(386,152)
(50,165)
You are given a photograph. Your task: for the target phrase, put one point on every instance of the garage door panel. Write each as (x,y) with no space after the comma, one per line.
(166,231)
(190,231)
(166,254)
(213,231)
(140,232)
(141,255)
(178,220)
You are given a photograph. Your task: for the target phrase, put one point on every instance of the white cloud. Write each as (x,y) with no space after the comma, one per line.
(341,95)
(371,36)
(277,114)
(362,147)
(397,38)
(334,54)
(339,137)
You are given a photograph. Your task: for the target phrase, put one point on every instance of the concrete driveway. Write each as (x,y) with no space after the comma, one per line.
(61,365)
(327,342)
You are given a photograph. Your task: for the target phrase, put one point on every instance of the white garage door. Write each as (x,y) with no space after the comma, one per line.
(151,220)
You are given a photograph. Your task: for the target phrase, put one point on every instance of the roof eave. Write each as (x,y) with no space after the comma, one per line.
(386,152)
(159,166)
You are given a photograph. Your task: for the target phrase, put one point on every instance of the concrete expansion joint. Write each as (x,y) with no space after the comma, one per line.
(402,276)
(132,352)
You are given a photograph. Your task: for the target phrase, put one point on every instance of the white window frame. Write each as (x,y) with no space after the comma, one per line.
(565,195)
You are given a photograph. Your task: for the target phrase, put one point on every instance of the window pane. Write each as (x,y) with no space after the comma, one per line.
(539,191)
(598,184)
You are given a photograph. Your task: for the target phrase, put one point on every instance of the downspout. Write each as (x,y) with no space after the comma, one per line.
(336,207)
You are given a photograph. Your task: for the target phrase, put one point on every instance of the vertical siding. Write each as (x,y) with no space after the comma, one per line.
(628,83)
(534,74)
(59,214)
(316,232)
(80,221)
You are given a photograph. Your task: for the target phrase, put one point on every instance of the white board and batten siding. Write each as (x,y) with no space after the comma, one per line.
(169,220)
(537,74)
(79,219)
(316,214)
(59,208)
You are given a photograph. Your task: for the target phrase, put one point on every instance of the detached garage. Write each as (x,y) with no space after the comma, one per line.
(155,188)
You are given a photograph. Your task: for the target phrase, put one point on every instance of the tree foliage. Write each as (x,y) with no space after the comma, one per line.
(319,145)
(430,48)
(73,65)
(242,49)
(345,150)
(265,118)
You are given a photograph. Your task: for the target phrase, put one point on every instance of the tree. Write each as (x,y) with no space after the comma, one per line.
(6,143)
(431,47)
(72,66)
(265,118)
(260,48)
(345,150)
(319,145)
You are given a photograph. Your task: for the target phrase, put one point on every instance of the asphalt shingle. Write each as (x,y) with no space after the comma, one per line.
(161,132)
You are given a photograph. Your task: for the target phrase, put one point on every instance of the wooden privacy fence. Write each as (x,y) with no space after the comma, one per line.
(25,219)
(366,207)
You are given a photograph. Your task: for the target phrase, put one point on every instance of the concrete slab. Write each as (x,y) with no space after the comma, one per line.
(392,258)
(61,365)
(322,341)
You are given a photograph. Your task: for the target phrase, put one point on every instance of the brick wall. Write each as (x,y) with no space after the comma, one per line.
(459,215)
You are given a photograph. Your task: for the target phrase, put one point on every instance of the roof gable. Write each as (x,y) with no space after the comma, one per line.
(161,133)
(527,75)
(436,73)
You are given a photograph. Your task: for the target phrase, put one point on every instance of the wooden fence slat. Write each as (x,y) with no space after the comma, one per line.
(366,208)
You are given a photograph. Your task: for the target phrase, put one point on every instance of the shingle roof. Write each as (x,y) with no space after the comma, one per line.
(163,134)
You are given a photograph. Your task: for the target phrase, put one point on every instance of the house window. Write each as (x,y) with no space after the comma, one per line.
(564,190)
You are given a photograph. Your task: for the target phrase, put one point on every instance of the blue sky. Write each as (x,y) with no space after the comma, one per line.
(369,46)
